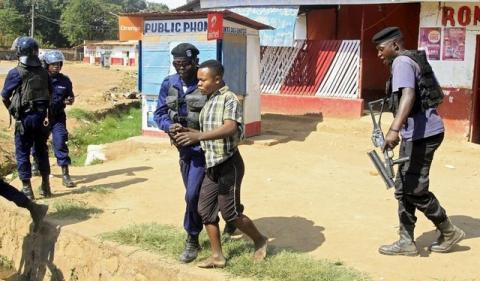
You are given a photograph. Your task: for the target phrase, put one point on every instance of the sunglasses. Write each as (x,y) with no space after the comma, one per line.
(182,63)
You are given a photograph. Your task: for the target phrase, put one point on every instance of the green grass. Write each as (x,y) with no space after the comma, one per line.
(105,127)
(6,262)
(280,264)
(70,209)
(101,190)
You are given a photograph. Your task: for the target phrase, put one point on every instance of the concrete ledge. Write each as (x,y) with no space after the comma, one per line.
(57,254)
(301,105)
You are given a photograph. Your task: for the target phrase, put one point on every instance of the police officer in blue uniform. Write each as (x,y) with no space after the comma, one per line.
(179,105)
(62,96)
(26,94)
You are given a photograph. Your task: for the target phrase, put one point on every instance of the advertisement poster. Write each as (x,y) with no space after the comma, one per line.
(454,43)
(151,106)
(430,40)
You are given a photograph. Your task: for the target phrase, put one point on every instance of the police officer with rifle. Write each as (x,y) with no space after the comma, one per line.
(414,95)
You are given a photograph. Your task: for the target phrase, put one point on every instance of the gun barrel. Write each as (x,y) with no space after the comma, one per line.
(381,168)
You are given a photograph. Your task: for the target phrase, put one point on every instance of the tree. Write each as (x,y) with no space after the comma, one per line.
(156,7)
(12,25)
(89,20)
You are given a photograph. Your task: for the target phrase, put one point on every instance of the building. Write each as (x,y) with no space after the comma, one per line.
(114,52)
(329,65)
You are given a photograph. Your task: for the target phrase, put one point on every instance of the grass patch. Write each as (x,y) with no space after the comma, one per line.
(118,123)
(69,209)
(101,190)
(6,263)
(280,264)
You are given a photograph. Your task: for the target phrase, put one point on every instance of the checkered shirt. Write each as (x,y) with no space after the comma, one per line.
(221,105)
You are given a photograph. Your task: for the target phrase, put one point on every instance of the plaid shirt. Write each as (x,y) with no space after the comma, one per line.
(221,105)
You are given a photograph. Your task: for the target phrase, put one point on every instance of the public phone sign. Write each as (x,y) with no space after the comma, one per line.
(215,26)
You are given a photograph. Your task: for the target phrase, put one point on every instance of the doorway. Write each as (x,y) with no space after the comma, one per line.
(475,120)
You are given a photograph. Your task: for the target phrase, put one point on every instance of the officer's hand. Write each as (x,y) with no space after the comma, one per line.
(187,138)
(391,140)
(175,128)
(69,100)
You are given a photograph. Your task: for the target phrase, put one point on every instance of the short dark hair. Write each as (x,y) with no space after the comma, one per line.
(213,65)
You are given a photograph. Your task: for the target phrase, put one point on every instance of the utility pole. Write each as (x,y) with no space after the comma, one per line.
(32,28)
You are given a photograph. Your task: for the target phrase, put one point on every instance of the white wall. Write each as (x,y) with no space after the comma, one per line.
(456,74)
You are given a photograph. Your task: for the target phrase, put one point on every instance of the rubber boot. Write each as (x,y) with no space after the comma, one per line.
(35,170)
(45,187)
(37,212)
(67,181)
(405,246)
(192,247)
(449,236)
(27,189)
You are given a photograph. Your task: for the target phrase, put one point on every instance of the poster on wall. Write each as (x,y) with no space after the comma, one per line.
(454,43)
(151,106)
(430,39)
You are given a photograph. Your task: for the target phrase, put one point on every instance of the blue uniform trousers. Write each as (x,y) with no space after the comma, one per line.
(35,135)
(58,126)
(192,167)
(12,194)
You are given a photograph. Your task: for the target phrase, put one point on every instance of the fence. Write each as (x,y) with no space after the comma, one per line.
(328,68)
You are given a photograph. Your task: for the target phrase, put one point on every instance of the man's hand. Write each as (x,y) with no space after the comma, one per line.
(391,140)
(187,138)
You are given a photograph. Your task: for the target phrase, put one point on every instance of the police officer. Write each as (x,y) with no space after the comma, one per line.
(62,96)
(414,94)
(26,94)
(37,211)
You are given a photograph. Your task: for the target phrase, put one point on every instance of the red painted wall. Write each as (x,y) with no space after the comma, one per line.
(346,23)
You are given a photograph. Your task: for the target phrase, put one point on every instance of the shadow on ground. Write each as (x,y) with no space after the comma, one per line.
(293,233)
(470,225)
(295,127)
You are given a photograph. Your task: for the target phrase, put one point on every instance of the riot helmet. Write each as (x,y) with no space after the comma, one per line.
(26,49)
(53,57)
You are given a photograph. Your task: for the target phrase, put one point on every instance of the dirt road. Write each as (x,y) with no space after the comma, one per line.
(315,193)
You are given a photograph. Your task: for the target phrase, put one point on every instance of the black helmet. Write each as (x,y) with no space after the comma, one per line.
(26,49)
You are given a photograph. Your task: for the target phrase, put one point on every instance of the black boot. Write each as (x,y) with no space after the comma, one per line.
(27,189)
(35,170)
(405,246)
(45,187)
(229,229)
(37,212)
(191,249)
(449,236)
(67,181)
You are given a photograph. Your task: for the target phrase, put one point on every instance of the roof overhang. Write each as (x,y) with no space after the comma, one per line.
(227,15)
(209,4)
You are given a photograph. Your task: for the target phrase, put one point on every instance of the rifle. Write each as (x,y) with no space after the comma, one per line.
(384,168)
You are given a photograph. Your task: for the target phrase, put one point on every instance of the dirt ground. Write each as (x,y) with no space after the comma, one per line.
(315,192)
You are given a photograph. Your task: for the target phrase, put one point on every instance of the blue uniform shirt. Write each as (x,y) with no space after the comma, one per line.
(13,81)
(62,89)
(161,116)
(161,113)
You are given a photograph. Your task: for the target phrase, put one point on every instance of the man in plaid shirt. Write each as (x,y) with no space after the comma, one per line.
(220,133)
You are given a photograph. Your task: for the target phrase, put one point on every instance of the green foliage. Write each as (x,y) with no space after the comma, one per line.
(12,24)
(156,7)
(280,264)
(119,124)
(70,209)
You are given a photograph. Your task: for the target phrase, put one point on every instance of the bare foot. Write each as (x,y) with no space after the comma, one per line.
(260,250)
(212,262)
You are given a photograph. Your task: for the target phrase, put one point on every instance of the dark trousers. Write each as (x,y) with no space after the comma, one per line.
(35,135)
(192,167)
(59,139)
(412,182)
(12,194)
(221,191)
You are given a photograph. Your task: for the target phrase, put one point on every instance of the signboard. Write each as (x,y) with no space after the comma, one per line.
(130,28)
(215,26)
(454,44)
(430,39)
(463,16)
(171,27)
